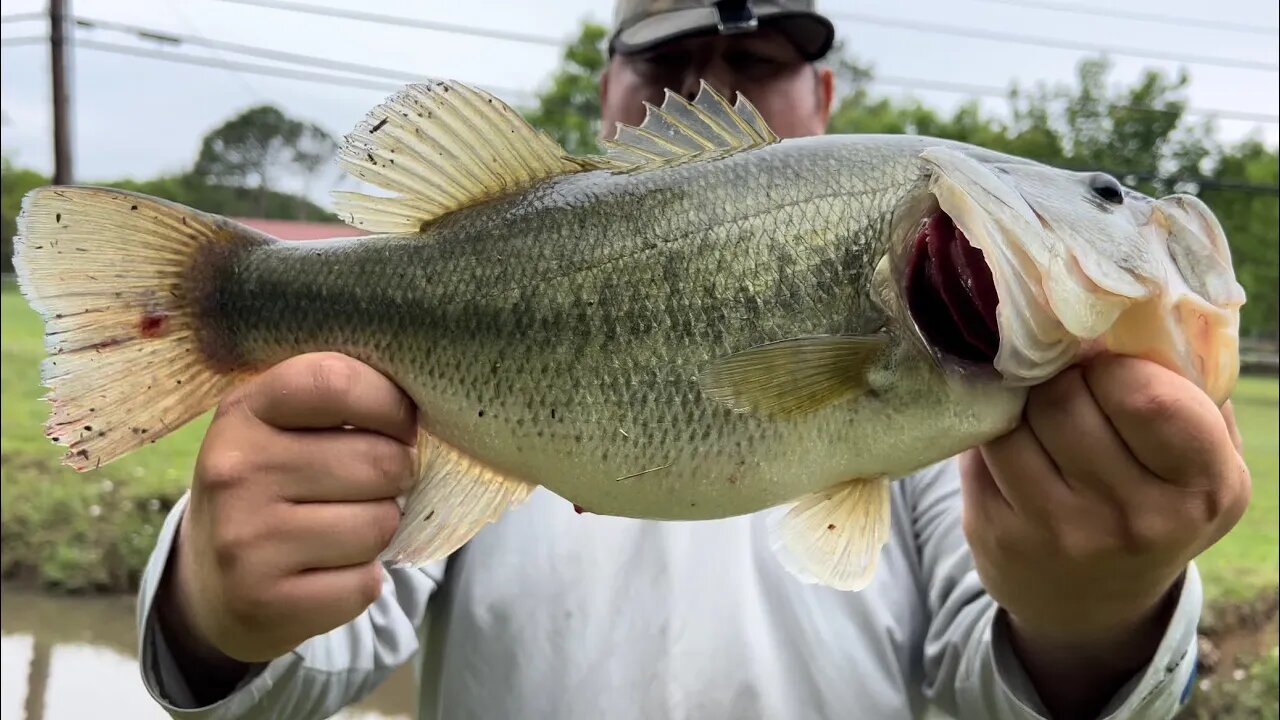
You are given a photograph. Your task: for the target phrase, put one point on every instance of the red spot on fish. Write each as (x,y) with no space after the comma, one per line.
(578,508)
(153,323)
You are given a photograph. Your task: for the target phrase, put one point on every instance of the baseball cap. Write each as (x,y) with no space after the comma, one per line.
(641,24)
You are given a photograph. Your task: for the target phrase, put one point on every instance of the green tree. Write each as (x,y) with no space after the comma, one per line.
(1250,216)
(15,182)
(229,200)
(569,108)
(255,148)
(234,175)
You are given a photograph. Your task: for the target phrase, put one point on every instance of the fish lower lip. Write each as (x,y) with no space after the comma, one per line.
(951,294)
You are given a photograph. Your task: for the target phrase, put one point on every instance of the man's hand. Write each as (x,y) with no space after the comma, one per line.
(1083,518)
(293,499)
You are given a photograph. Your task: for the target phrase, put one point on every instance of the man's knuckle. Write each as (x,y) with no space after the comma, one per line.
(1225,500)
(250,607)
(1087,541)
(231,547)
(1146,532)
(1006,540)
(380,458)
(222,470)
(334,376)
(1236,493)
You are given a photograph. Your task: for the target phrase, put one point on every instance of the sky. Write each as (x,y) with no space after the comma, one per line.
(140,117)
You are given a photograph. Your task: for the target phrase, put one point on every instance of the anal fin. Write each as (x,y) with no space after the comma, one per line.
(455,496)
(834,537)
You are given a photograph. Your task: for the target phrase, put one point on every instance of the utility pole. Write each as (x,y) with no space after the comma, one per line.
(61,93)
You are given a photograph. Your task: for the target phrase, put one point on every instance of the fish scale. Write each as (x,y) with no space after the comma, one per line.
(702,322)
(657,290)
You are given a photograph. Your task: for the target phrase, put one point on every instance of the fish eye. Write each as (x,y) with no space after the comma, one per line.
(1107,188)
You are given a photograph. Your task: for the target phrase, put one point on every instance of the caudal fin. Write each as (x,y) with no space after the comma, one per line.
(109,272)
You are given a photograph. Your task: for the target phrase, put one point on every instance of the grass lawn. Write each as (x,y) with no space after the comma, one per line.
(71,530)
(95,529)
(1246,559)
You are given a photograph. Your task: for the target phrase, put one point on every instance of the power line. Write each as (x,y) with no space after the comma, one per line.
(256,68)
(249,87)
(22,17)
(250,50)
(328,78)
(410,22)
(374,84)
(1043,41)
(381,72)
(1113,11)
(937,28)
(278,55)
(24,40)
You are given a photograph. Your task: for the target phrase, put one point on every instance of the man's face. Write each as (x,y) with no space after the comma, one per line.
(793,96)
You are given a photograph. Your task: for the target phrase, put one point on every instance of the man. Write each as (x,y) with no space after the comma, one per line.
(1073,597)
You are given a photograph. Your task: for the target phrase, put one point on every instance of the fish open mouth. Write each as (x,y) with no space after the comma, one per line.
(951,294)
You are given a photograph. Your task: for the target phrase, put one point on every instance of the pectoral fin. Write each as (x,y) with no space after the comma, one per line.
(833,537)
(456,495)
(794,376)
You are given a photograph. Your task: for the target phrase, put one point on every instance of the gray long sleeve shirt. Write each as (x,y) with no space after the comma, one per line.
(548,614)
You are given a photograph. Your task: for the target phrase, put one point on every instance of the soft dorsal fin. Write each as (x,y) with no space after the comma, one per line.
(681,131)
(441,146)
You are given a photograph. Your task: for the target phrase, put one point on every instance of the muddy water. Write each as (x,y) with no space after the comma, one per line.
(72,658)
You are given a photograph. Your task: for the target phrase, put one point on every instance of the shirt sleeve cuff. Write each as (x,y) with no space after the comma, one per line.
(1159,689)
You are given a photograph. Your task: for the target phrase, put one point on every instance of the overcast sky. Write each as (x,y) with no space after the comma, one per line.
(140,117)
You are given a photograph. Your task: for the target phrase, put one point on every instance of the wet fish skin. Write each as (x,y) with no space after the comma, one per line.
(574,360)
(704,322)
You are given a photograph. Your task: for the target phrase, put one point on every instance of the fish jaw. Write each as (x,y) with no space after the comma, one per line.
(1192,324)
(991,217)
(1151,279)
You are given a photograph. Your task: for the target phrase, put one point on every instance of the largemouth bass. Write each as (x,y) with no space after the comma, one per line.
(705,321)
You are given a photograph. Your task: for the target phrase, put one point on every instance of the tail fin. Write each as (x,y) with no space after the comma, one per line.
(107,270)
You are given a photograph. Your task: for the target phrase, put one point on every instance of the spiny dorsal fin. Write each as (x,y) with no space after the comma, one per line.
(681,131)
(441,146)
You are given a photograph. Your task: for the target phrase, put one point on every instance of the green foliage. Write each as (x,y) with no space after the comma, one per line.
(1247,558)
(255,147)
(15,182)
(1252,223)
(1250,692)
(237,165)
(67,530)
(569,109)
(227,200)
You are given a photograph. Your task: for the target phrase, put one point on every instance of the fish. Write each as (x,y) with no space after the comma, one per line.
(700,321)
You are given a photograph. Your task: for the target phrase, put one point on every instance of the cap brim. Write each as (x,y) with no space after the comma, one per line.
(811,33)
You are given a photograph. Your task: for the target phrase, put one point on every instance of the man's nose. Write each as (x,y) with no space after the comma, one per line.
(691,82)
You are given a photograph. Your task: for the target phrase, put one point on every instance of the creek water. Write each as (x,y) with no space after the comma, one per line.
(69,658)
